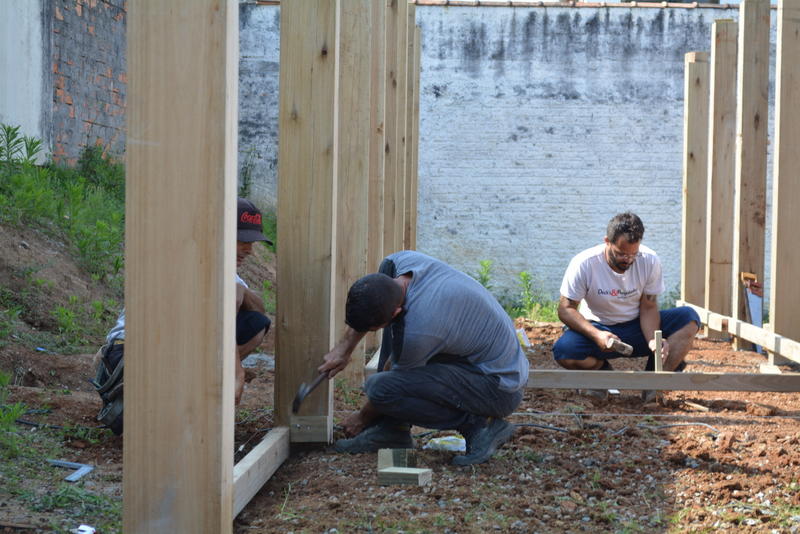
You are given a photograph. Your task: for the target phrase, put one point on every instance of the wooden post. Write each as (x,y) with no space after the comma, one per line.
(375,250)
(751,149)
(413,197)
(350,208)
(695,176)
(785,292)
(391,152)
(179,286)
(658,362)
(721,170)
(306,185)
(402,96)
(409,129)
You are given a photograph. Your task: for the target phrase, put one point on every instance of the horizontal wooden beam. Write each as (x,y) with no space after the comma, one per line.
(255,469)
(404,475)
(563,379)
(311,428)
(771,341)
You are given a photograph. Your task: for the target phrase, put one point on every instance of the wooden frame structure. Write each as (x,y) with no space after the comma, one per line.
(337,160)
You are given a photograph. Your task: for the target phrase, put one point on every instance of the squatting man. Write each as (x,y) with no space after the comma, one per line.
(619,281)
(251,325)
(455,360)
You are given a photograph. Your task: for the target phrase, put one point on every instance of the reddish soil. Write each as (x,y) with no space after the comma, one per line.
(698,462)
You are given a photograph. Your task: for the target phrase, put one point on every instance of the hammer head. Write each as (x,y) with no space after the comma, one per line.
(305,389)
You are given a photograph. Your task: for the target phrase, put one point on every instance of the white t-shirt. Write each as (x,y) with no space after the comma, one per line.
(611,297)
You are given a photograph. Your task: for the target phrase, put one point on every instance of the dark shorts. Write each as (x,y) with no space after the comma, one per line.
(249,324)
(574,346)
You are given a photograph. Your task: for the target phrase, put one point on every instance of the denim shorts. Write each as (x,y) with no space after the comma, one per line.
(574,346)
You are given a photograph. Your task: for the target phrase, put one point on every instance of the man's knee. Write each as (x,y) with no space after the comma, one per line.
(382,388)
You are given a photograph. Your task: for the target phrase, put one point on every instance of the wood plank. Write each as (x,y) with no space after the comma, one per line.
(179,375)
(306,167)
(311,428)
(658,362)
(350,208)
(396,458)
(250,474)
(771,341)
(404,475)
(721,170)
(563,379)
(402,98)
(375,251)
(785,290)
(695,176)
(391,151)
(409,129)
(751,150)
(414,195)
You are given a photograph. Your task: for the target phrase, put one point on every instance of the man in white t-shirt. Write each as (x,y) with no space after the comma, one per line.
(619,282)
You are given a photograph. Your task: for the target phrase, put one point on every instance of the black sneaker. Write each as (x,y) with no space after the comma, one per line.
(380,436)
(483,443)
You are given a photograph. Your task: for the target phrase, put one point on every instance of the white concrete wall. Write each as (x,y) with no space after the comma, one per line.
(539,124)
(22,55)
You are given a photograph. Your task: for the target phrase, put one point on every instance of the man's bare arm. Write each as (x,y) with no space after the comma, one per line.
(570,316)
(248,300)
(650,321)
(339,356)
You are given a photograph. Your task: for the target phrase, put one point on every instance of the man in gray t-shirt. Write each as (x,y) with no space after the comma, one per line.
(455,359)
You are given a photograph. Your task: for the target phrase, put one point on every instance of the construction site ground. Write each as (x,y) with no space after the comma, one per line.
(697,462)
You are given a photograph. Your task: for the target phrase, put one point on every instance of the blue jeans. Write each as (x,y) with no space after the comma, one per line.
(440,395)
(574,346)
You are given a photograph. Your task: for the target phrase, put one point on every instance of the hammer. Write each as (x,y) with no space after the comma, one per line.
(618,346)
(305,389)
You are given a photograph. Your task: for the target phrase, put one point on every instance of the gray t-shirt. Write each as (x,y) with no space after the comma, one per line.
(447,312)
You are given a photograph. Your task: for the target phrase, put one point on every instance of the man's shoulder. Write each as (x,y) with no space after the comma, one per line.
(590,255)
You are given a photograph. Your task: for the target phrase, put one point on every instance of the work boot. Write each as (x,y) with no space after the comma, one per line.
(384,435)
(483,442)
(598,395)
(651,395)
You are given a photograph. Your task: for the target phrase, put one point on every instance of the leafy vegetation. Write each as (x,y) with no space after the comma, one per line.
(530,302)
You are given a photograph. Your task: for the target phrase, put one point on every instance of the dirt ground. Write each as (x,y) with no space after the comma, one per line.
(698,462)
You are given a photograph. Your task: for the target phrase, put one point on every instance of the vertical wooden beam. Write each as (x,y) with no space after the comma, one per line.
(391,152)
(751,149)
(402,95)
(306,184)
(415,136)
(721,170)
(785,259)
(377,100)
(695,176)
(350,208)
(409,129)
(181,190)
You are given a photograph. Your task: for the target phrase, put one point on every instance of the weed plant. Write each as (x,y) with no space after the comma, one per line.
(531,302)
(85,205)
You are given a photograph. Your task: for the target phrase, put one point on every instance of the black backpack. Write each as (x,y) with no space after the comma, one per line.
(108,382)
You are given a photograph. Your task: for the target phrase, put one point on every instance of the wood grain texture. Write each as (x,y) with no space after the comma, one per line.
(260,463)
(402,121)
(351,200)
(750,207)
(391,111)
(413,197)
(410,140)
(179,288)
(695,176)
(721,170)
(306,185)
(785,291)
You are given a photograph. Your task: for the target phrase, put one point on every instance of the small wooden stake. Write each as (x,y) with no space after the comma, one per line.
(657,359)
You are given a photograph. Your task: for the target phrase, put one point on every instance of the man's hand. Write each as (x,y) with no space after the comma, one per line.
(353,424)
(664,348)
(602,338)
(239,387)
(336,360)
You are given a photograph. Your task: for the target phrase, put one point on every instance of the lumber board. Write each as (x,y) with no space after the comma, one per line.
(252,471)
(775,343)
(306,184)
(408,204)
(785,251)
(721,171)
(751,148)
(375,251)
(695,176)
(414,195)
(404,475)
(396,458)
(402,102)
(311,428)
(180,231)
(391,150)
(350,208)
(563,379)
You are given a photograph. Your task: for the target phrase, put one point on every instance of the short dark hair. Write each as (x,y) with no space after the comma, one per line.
(627,225)
(371,302)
